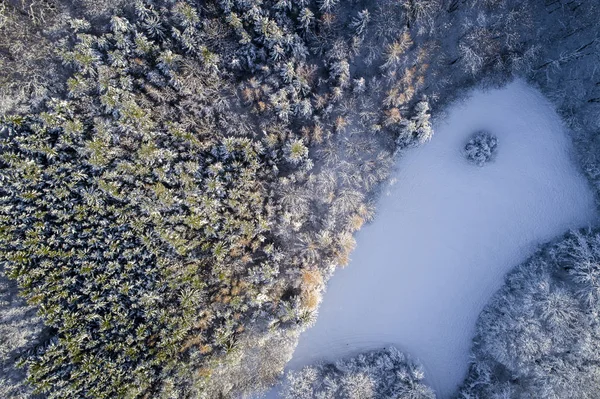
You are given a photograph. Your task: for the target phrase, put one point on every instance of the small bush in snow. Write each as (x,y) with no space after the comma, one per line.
(481,148)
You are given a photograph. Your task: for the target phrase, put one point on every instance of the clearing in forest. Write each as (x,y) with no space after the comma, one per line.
(448,231)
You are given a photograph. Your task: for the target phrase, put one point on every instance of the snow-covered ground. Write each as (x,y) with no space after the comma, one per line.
(448,231)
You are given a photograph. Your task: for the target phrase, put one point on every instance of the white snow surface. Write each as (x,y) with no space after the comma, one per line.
(448,231)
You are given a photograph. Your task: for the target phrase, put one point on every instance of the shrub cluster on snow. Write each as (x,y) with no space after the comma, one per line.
(385,373)
(481,148)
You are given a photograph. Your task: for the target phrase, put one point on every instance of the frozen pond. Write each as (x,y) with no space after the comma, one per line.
(447,232)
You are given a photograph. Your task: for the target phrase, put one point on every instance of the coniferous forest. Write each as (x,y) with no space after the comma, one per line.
(179,180)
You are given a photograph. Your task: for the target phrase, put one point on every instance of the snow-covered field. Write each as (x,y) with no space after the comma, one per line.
(447,232)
